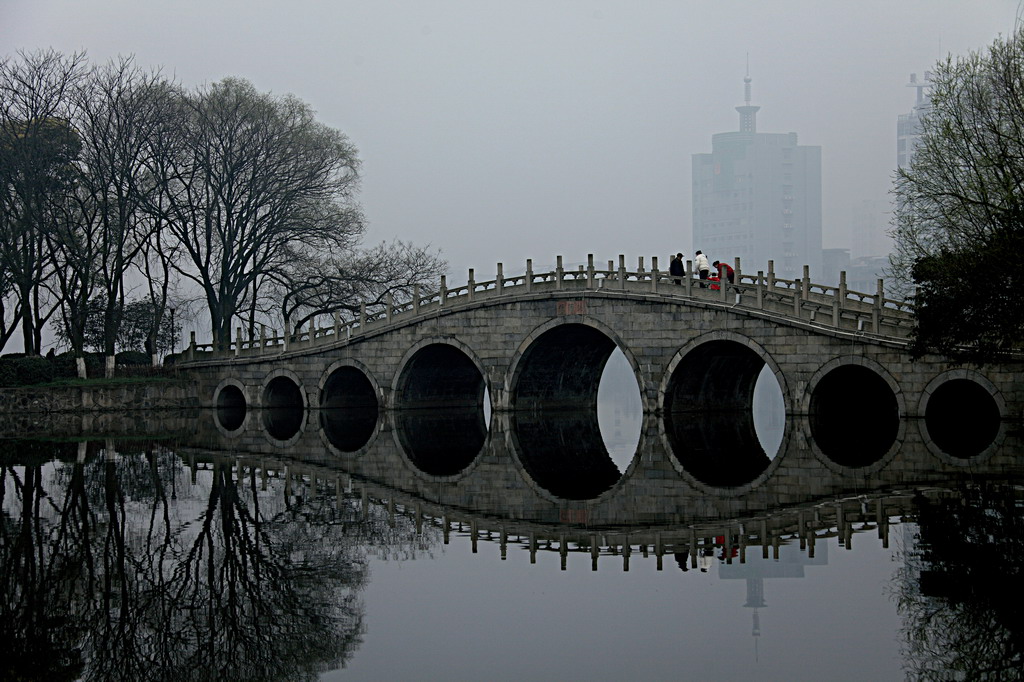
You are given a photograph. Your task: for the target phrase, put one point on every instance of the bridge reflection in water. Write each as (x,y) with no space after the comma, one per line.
(281,512)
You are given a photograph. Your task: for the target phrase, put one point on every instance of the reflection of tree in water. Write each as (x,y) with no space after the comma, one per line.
(959,592)
(119,568)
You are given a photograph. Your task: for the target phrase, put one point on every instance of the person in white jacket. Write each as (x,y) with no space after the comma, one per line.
(702,266)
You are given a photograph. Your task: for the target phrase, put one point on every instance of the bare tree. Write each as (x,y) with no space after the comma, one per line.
(252,183)
(38,148)
(347,281)
(120,109)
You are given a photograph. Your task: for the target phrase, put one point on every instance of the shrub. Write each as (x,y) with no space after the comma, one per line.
(7,373)
(133,357)
(33,370)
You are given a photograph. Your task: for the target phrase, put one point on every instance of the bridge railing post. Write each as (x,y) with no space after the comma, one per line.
(723,285)
(499,281)
(654,274)
(415,299)
(737,279)
(337,325)
(470,285)
(389,306)
(287,335)
(806,284)
(362,316)
(192,346)
(876,309)
(559,273)
(238,341)
(688,289)
(263,337)
(760,289)
(442,296)
(590,271)
(839,301)
(622,272)
(771,275)
(796,303)
(529,275)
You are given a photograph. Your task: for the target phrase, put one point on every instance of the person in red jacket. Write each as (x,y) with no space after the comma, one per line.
(725,272)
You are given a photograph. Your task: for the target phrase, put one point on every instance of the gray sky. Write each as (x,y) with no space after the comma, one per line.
(500,131)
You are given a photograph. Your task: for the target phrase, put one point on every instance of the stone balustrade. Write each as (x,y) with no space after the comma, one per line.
(788,300)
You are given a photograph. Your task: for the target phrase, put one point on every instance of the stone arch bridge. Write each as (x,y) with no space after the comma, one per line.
(538,342)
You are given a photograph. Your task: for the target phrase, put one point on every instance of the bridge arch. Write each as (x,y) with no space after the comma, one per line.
(845,395)
(706,398)
(440,444)
(439,371)
(438,399)
(551,388)
(559,365)
(284,405)
(231,407)
(350,399)
(963,415)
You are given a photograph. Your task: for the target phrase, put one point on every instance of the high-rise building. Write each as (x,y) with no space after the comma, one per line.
(757,196)
(908,126)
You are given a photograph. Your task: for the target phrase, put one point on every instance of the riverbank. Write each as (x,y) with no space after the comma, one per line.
(98,396)
(116,408)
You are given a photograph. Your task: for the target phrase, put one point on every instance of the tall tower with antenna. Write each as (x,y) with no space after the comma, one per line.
(757,196)
(748,113)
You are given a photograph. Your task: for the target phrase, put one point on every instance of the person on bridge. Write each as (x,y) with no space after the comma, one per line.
(702,266)
(725,272)
(675,268)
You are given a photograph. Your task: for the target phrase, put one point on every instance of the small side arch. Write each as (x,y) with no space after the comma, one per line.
(855,408)
(284,405)
(963,415)
(231,403)
(349,406)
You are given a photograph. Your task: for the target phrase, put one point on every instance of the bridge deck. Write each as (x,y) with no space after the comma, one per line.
(800,300)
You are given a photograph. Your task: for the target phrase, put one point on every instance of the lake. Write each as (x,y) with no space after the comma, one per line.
(455,546)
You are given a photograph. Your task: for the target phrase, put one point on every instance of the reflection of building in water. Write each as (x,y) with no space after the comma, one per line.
(755,571)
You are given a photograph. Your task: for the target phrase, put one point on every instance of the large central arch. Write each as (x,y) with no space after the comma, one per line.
(561,368)
(707,402)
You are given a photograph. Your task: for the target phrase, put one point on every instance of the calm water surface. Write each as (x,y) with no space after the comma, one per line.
(506,547)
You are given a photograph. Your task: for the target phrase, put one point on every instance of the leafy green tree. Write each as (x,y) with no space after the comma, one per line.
(959,225)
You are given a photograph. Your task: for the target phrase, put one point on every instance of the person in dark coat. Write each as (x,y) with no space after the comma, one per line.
(675,268)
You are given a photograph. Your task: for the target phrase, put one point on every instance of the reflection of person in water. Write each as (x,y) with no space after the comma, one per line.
(682,558)
(706,559)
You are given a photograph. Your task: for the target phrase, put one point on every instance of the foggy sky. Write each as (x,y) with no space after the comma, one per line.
(500,131)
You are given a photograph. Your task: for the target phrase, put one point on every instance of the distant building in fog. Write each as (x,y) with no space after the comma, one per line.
(869,229)
(758,196)
(908,126)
